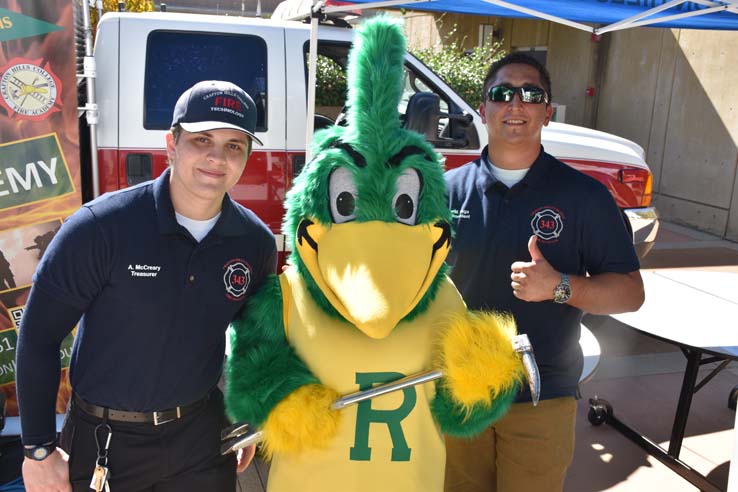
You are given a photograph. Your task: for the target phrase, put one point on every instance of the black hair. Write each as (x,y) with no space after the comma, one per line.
(176,132)
(519,58)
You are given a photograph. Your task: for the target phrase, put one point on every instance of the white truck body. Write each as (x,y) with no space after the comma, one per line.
(131,149)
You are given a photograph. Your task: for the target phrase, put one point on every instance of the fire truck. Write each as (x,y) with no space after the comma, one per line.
(145,60)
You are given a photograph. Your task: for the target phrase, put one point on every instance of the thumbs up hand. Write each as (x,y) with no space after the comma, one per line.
(534,280)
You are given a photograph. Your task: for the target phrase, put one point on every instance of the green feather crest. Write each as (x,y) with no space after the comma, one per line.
(369,147)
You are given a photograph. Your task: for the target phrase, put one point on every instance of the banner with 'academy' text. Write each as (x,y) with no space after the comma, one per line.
(39,159)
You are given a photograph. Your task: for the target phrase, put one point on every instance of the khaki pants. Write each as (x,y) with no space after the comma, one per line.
(528,450)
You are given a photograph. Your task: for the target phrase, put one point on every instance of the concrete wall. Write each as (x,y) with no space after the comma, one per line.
(673,92)
(421,30)
(572,65)
(425,30)
(527,32)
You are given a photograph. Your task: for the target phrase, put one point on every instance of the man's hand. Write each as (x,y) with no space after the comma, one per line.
(49,475)
(244,457)
(534,280)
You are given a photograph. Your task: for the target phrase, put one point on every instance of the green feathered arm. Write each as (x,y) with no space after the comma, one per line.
(481,372)
(456,420)
(262,368)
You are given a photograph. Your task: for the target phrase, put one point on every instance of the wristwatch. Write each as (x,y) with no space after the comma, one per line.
(562,292)
(39,452)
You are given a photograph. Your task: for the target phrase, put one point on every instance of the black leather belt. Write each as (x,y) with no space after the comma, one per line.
(156,418)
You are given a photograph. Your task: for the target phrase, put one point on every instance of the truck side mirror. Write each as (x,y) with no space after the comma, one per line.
(423,114)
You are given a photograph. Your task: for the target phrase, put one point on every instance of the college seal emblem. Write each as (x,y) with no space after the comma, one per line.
(28,90)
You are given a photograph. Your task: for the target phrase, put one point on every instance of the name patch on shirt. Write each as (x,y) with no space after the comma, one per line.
(547,223)
(236,278)
(460,214)
(144,270)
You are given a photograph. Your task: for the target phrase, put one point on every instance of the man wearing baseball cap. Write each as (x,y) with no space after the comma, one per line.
(154,274)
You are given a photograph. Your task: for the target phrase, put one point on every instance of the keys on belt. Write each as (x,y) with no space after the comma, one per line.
(101,475)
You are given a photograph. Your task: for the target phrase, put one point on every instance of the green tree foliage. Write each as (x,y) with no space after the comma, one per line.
(112,6)
(463,70)
(330,83)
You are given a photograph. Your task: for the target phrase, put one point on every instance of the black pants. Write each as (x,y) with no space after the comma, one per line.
(179,456)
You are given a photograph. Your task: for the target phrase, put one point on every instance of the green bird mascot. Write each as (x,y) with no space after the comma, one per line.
(366,300)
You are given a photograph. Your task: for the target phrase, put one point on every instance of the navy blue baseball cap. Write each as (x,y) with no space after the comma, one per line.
(214,105)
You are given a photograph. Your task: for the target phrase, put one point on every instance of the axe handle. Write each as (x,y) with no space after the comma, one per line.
(382,389)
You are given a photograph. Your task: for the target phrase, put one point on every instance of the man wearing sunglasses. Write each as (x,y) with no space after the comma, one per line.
(522,215)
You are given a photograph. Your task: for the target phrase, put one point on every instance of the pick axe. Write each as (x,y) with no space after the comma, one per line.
(242,434)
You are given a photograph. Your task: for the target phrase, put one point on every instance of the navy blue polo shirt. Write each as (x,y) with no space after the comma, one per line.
(154,303)
(580,230)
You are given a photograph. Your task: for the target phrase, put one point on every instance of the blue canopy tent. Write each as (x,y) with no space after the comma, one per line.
(610,14)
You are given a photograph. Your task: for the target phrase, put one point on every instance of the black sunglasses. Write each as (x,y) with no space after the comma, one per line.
(529,94)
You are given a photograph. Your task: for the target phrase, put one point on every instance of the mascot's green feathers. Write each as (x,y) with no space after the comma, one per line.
(373,146)
(369,228)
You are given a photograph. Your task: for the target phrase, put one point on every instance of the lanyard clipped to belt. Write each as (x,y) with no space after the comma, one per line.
(101,475)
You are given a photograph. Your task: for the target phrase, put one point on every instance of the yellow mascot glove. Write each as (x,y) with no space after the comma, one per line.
(303,420)
(477,357)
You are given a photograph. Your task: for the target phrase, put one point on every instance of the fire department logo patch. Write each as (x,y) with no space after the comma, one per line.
(547,223)
(236,278)
(28,90)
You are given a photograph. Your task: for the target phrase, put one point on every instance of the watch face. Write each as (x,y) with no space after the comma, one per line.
(562,293)
(40,453)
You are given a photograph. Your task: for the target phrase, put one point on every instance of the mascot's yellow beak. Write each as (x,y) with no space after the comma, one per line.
(373,273)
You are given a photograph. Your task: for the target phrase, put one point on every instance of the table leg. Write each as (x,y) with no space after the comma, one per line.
(733,473)
(733,398)
(685,402)
(602,412)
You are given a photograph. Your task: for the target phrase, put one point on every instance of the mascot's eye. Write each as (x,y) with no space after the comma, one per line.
(342,194)
(345,204)
(405,201)
(404,207)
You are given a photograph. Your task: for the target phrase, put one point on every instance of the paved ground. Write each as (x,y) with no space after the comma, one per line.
(641,377)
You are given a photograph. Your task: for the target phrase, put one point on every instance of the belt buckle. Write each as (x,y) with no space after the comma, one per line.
(161,420)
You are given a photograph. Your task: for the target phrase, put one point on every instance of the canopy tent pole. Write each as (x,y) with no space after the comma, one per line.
(541,15)
(679,16)
(627,22)
(90,108)
(635,21)
(312,64)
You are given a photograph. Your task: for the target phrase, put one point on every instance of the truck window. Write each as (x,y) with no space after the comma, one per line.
(330,83)
(452,128)
(177,60)
(412,83)
(330,88)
